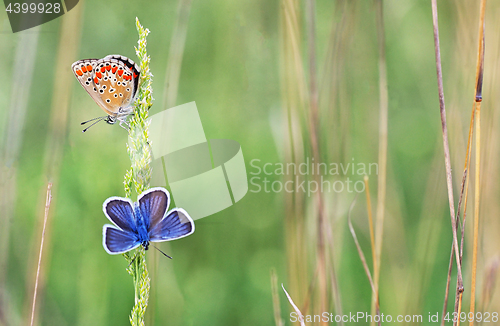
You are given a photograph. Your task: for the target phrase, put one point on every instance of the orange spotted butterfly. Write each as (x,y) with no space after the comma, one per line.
(112,83)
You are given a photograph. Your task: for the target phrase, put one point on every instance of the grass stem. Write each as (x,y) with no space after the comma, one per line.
(449,178)
(382,153)
(477,186)
(46,215)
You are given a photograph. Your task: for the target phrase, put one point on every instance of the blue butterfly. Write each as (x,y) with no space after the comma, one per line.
(144,221)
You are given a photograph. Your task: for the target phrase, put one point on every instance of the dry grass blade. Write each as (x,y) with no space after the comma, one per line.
(315,148)
(464,190)
(477,186)
(46,214)
(449,179)
(363,260)
(294,306)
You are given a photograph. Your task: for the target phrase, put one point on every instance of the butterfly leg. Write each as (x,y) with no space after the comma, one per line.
(123,121)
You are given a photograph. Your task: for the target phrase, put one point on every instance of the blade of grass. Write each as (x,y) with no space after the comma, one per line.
(293,90)
(449,178)
(363,260)
(45,217)
(382,153)
(276,298)
(294,306)
(314,143)
(477,186)
(464,188)
(370,220)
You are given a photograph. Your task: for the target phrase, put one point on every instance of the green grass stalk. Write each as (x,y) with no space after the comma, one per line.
(382,154)
(139,175)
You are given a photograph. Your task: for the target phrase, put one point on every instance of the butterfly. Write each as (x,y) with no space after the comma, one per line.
(142,222)
(112,82)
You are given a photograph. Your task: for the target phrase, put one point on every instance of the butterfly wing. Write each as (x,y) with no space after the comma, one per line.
(111,82)
(84,73)
(123,235)
(175,225)
(133,69)
(121,213)
(153,204)
(116,241)
(116,79)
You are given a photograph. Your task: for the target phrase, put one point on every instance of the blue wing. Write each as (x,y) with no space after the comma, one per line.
(116,241)
(176,224)
(153,205)
(121,213)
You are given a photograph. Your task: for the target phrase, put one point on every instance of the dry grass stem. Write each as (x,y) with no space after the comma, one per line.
(449,178)
(477,186)
(46,215)
(363,260)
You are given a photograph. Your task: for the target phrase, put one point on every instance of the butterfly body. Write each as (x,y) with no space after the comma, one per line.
(144,221)
(112,82)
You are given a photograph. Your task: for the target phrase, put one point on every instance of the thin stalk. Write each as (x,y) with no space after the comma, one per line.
(276,298)
(382,153)
(293,91)
(363,259)
(477,186)
(464,188)
(314,133)
(297,311)
(449,178)
(370,220)
(139,175)
(45,217)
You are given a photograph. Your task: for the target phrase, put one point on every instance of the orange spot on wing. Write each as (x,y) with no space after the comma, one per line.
(79,72)
(135,75)
(89,68)
(84,68)
(114,70)
(98,74)
(120,72)
(103,69)
(108,67)
(96,81)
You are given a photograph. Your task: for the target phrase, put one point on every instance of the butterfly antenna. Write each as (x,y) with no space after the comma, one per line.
(162,252)
(82,123)
(98,120)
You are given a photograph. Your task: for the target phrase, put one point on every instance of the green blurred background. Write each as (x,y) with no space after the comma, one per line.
(236,66)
